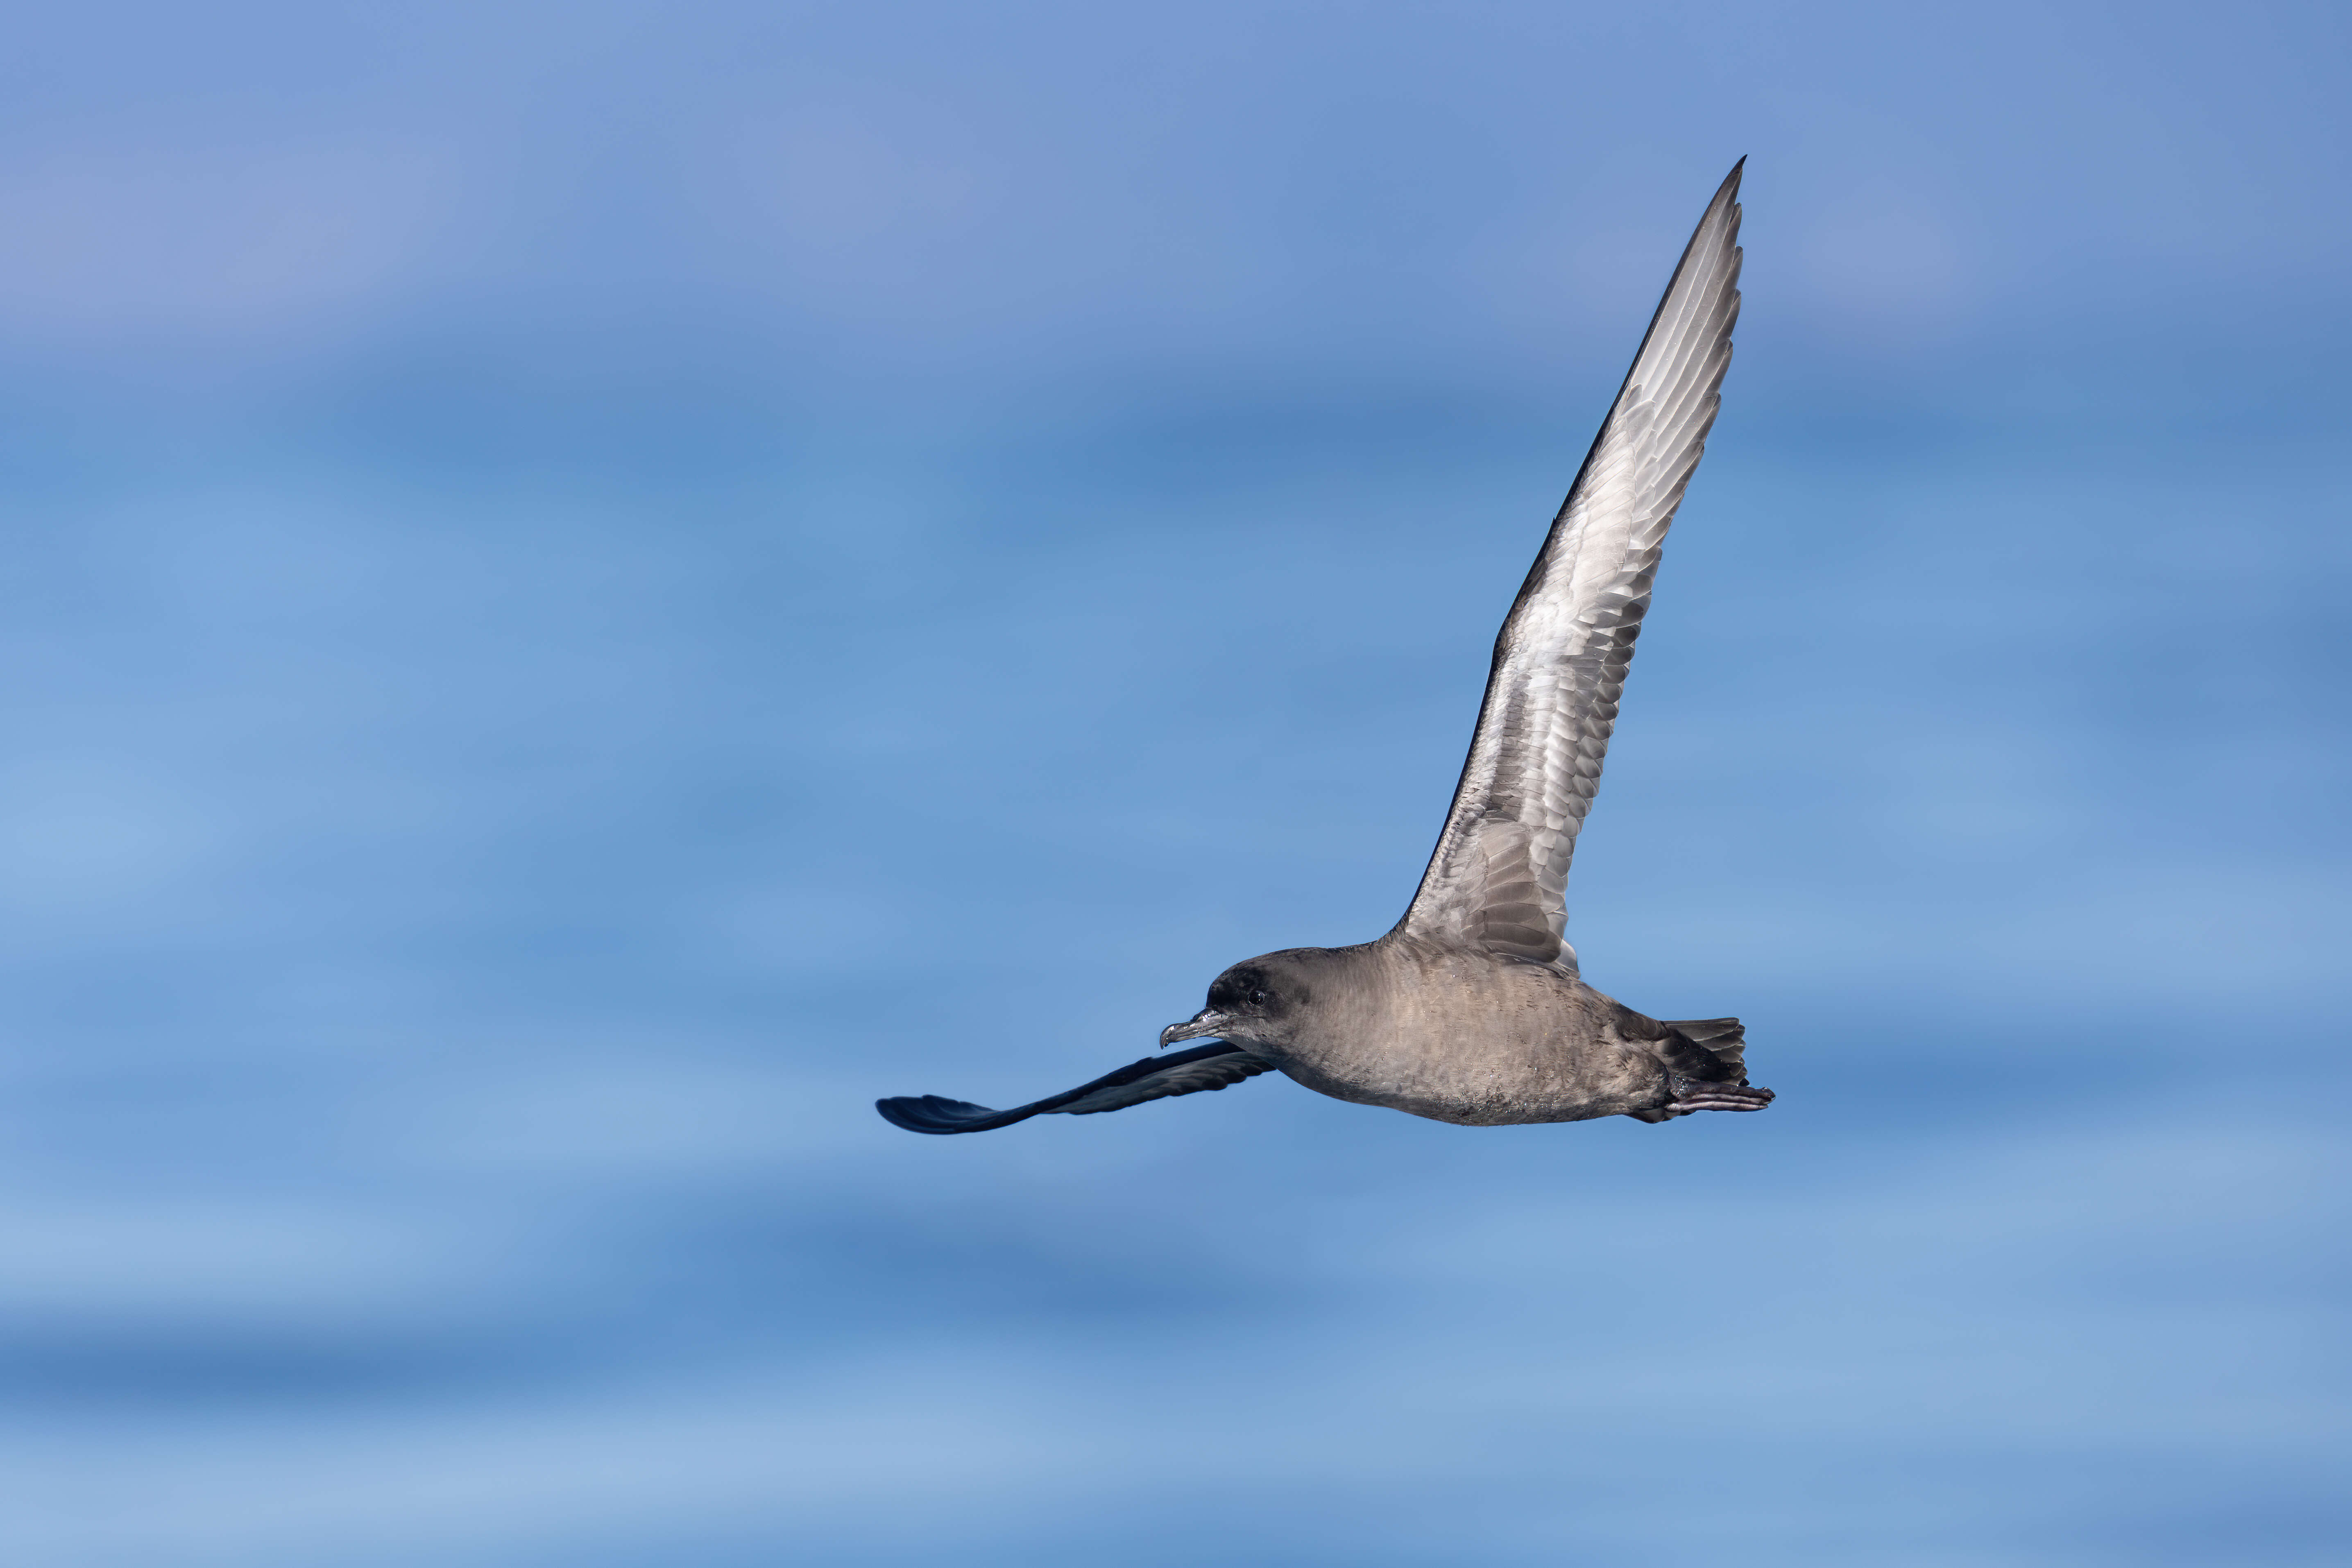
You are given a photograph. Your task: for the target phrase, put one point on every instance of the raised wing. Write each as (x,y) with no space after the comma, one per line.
(1215,1065)
(1499,878)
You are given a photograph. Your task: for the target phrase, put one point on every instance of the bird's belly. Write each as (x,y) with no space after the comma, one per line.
(1496,1080)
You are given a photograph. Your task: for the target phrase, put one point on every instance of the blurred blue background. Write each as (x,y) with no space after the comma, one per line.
(591,586)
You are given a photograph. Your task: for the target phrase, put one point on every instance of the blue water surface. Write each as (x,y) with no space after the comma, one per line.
(590,587)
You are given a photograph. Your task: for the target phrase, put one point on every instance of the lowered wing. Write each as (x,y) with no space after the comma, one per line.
(1215,1065)
(1499,878)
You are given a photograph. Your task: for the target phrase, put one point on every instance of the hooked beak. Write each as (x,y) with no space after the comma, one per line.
(1206,1022)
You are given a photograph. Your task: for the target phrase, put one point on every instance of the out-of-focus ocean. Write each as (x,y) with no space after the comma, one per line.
(589,587)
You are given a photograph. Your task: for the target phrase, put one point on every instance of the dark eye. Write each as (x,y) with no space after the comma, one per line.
(1258,999)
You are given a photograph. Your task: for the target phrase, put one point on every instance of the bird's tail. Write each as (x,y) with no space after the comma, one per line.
(1722,1038)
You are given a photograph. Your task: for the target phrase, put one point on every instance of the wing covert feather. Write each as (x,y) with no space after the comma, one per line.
(1498,877)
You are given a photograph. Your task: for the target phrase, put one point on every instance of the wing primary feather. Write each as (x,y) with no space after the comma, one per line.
(1213,1064)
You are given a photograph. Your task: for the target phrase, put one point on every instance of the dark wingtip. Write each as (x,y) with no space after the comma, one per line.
(937,1113)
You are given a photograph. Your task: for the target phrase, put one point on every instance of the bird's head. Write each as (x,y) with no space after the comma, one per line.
(1258,1002)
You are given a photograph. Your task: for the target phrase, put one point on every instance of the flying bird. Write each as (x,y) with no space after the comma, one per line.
(1472,1009)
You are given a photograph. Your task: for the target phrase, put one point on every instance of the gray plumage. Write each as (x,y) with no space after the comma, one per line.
(1472,1009)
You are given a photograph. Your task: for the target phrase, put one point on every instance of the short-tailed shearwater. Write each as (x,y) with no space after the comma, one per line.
(1471,1010)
